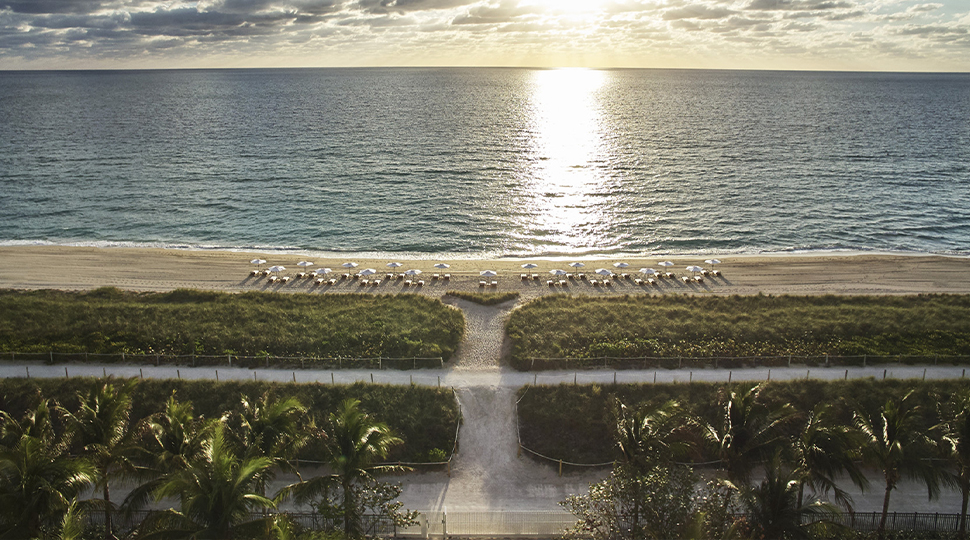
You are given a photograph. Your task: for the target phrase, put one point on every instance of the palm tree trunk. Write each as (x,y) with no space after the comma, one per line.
(350,510)
(801,497)
(881,531)
(107,507)
(962,531)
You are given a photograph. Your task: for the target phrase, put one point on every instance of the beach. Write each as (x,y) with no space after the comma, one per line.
(152,269)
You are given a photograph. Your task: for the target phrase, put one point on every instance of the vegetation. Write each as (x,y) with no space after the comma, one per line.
(210,473)
(425,418)
(210,323)
(485,299)
(579,327)
(651,495)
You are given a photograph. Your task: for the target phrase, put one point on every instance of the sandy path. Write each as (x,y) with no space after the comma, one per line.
(482,346)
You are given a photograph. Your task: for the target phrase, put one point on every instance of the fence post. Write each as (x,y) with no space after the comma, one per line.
(66,376)
(884,374)
(372,378)
(254,375)
(769,374)
(654,377)
(729,376)
(294,376)
(331,378)
(826,359)
(846,374)
(691,378)
(439,381)
(217,375)
(789,360)
(614,378)
(52,357)
(178,374)
(560,468)
(104,373)
(924,374)
(380,362)
(808,374)
(574,379)
(28,371)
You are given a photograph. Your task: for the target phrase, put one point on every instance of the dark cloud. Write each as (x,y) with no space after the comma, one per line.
(697,11)
(798,5)
(52,6)
(405,6)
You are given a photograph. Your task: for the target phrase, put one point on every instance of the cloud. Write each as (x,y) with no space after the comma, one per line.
(697,11)
(405,6)
(798,5)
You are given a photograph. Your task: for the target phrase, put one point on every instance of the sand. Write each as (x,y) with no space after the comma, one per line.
(145,269)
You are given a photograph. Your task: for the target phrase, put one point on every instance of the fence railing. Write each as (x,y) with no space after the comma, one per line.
(700,362)
(528,524)
(231,360)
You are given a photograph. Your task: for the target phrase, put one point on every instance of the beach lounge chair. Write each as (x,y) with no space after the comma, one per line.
(332,281)
(607,283)
(550,283)
(594,282)
(255,273)
(494,284)
(581,276)
(638,281)
(686,279)
(699,279)
(364,282)
(563,283)
(273,279)
(375,282)
(407,282)
(625,276)
(320,280)
(300,275)
(535,277)
(705,273)
(420,283)
(651,281)
(570,276)
(285,279)
(401,276)
(435,277)
(446,277)
(345,276)
(388,276)
(715,273)
(670,275)
(524,277)
(481,283)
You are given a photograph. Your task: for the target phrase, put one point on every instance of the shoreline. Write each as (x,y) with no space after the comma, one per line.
(157,269)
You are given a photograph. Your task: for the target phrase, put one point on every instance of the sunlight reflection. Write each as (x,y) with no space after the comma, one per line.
(569,152)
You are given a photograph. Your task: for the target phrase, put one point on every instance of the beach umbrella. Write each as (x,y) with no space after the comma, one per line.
(712,261)
(257,262)
(442,266)
(604,272)
(488,273)
(694,269)
(529,266)
(277,269)
(413,272)
(577,265)
(621,265)
(648,271)
(324,271)
(304,264)
(665,264)
(558,272)
(368,272)
(350,265)
(394,265)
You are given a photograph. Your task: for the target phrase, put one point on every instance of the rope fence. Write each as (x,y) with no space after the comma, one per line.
(715,362)
(230,360)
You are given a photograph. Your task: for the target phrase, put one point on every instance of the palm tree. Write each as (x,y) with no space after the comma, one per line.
(39,481)
(955,446)
(217,493)
(655,434)
(822,451)
(748,433)
(174,439)
(775,510)
(274,428)
(356,442)
(893,444)
(103,431)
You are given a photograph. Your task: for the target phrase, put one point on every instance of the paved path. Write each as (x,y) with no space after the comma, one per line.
(487,473)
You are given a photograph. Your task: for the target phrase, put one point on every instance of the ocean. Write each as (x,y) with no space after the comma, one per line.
(487,162)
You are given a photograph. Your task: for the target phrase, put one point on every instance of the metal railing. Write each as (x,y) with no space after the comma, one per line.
(701,362)
(231,360)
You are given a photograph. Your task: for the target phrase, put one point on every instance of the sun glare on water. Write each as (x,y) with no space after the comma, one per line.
(568,148)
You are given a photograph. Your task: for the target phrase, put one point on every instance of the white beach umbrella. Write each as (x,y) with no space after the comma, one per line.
(413,272)
(621,265)
(648,271)
(530,265)
(442,266)
(257,262)
(558,272)
(488,273)
(394,265)
(323,271)
(665,264)
(694,269)
(712,261)
(304,264)
(368,272)
(350,265)
(604,272)
(577,264)
(277,269)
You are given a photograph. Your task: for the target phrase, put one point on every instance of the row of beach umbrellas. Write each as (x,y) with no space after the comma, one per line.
(349,265)
(606,272)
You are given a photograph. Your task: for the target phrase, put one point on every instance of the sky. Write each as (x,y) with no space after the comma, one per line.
(863,35)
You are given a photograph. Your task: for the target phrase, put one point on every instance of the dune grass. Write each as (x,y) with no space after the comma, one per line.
(197,322)
(693,326)
(485,299)
(425,418)
(571,422)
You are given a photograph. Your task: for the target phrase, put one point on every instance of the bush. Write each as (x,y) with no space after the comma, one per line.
(485,299)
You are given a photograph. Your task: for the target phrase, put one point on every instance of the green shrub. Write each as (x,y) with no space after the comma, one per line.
(209,323)
(485,299)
